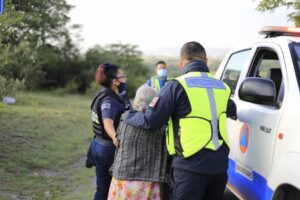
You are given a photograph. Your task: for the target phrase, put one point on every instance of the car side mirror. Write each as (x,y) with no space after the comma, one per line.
(258,90)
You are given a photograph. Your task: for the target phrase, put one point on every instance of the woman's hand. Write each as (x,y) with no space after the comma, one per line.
(116,142)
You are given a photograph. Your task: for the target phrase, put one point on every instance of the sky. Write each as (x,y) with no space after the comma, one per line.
(161,27)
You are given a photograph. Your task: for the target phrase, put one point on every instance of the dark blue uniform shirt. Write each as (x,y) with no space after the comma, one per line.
(113,109)
(173,102)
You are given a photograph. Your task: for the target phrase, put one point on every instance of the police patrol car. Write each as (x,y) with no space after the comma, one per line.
(264,76)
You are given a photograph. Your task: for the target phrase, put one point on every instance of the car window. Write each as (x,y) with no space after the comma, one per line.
(295,50)
(233,68)
(266,60)
(266,65)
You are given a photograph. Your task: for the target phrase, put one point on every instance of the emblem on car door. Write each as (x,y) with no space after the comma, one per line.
(244,138)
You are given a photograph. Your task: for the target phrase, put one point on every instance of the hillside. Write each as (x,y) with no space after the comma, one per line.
(43,140)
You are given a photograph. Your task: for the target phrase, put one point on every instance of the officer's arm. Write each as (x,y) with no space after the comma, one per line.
(231,110)
(159,111)
(109,112)
(110,130)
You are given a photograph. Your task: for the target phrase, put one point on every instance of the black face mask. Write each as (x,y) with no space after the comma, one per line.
(122,87)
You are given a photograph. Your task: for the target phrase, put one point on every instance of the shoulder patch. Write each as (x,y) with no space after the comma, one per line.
(154,102)
(105,106)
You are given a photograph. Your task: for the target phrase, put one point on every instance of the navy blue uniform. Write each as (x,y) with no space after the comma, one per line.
(110,106)
(112,109)
(173,102)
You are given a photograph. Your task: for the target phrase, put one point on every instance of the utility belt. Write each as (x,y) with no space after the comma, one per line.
(89,163)
(103,140)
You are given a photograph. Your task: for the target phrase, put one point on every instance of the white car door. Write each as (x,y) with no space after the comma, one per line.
(252,135)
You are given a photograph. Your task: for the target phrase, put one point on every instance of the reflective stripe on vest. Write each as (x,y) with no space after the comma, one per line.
(208,98)
(155,83)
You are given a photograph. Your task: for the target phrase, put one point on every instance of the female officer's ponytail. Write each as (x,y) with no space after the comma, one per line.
(105,74)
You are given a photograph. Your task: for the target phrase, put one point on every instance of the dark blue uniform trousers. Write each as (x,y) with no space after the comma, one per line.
(103,155)
(192,186)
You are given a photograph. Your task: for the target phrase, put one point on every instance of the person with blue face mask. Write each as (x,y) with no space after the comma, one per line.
(159,81)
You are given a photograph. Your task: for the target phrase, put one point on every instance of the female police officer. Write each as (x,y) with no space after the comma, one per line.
(107,108)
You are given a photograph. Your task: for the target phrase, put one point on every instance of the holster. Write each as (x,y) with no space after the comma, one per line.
(89,163)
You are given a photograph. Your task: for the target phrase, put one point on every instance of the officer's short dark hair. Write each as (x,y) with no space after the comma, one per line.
(160,62)
(105,74)
(192,51)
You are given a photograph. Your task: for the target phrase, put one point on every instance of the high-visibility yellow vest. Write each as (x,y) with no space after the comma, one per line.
(154,81)
(205,125)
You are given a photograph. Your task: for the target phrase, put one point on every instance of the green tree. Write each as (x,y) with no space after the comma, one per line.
(271,5)
(35,41)
(43,21)
(95,56)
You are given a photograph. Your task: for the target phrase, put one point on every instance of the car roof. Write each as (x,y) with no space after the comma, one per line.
(280,40)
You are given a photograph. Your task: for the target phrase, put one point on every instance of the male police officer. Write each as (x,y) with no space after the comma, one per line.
(157,82)
(195,105)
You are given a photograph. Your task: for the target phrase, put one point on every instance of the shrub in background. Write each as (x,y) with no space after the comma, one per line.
(10,86)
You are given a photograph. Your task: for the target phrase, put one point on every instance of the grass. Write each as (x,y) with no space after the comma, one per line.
(43,141)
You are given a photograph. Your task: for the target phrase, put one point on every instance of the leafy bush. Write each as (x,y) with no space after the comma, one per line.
(9,86)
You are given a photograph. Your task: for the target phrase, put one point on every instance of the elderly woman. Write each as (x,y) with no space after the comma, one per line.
(140,164)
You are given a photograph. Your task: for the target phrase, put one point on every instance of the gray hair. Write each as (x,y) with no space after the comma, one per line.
(143,97)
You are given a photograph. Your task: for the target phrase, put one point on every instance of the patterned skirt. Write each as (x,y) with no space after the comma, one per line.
(133,190)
